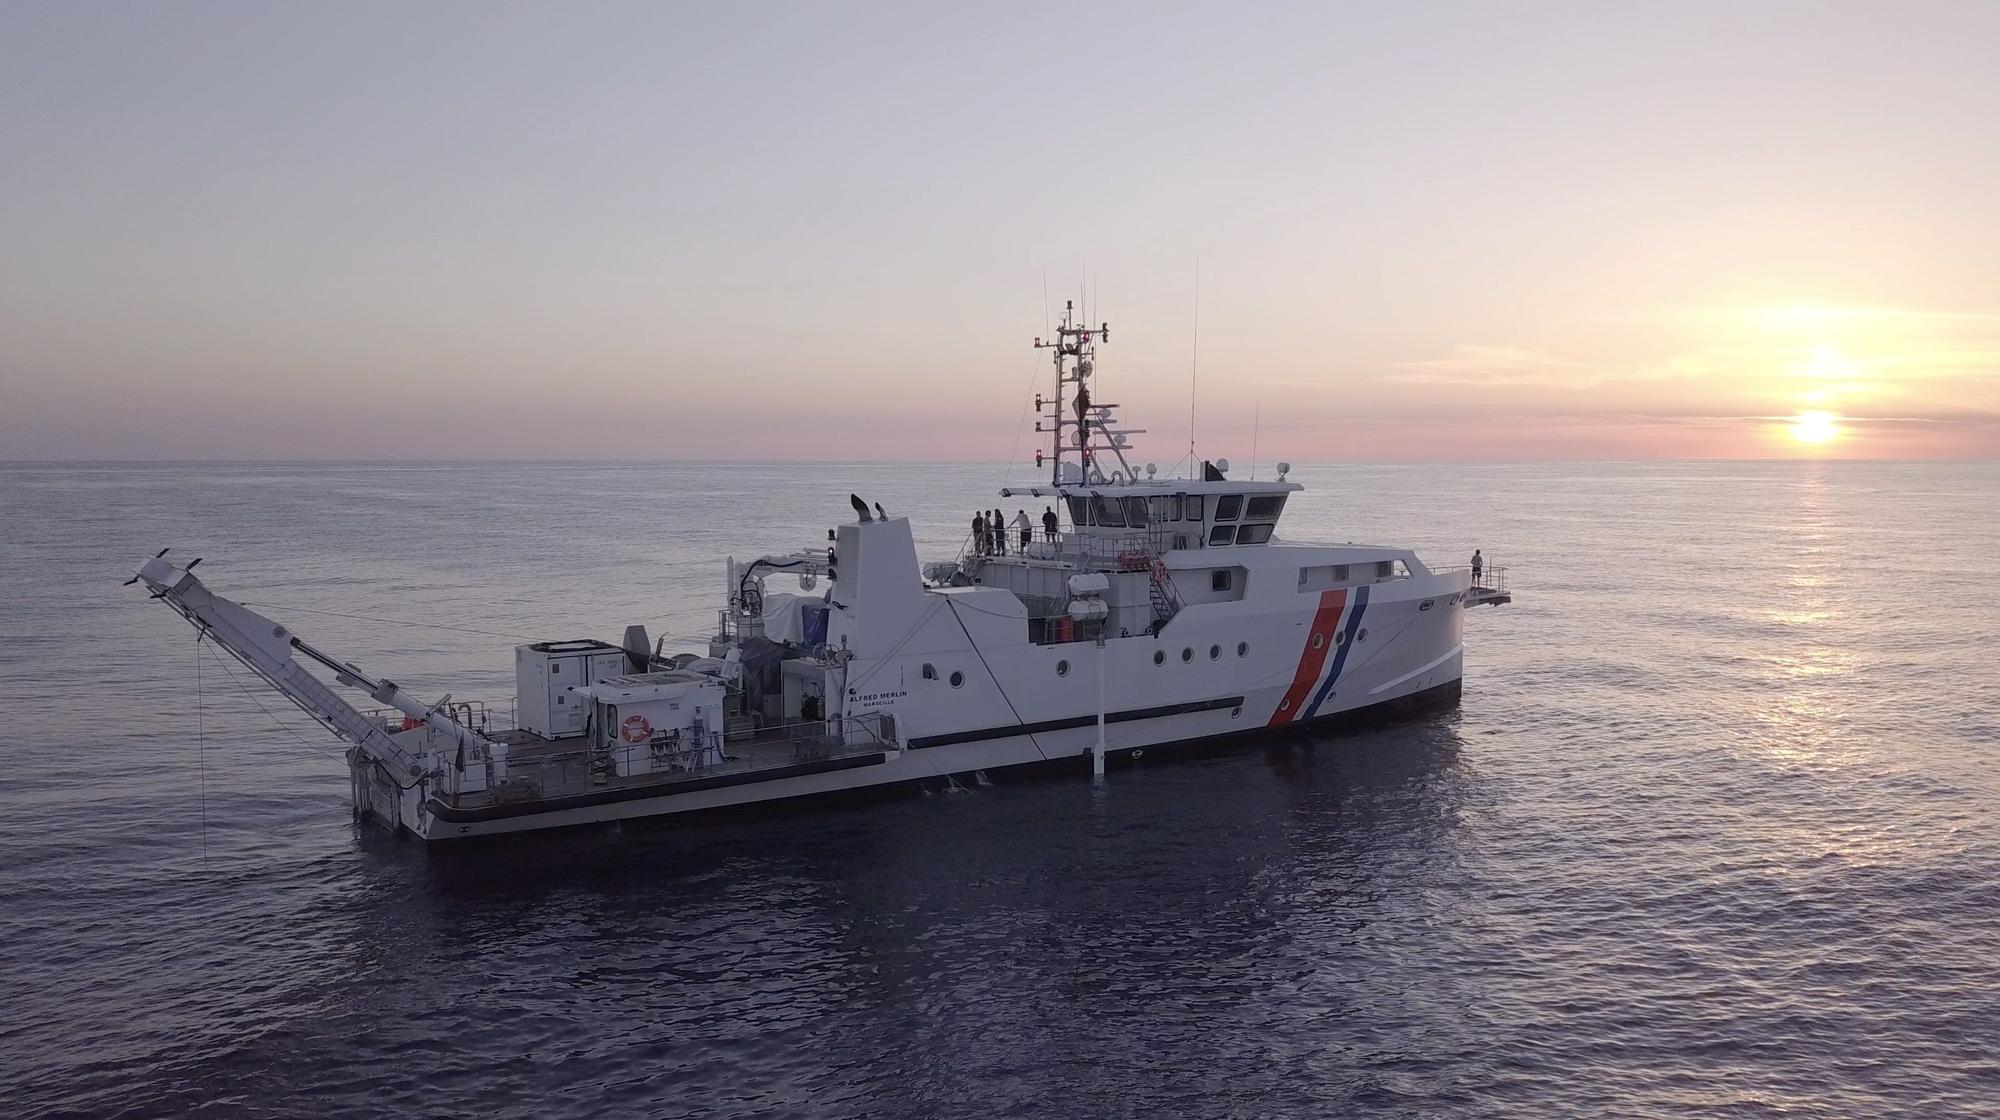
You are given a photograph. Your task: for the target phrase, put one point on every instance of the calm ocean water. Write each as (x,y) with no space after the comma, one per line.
(1715,831)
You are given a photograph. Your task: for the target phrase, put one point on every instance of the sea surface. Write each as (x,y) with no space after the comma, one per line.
(1715,830)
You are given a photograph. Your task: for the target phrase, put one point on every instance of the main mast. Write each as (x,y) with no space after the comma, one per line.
(1078,426)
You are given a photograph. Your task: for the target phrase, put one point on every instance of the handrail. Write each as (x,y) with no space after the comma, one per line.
(814,740)
(1492,577)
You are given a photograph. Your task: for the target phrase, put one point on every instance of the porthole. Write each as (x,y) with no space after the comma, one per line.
(1340,638)
(1062,668)
(957,678)
(930,671)
(1363,636)
(1236,712)
(1242,649)
(1159,657)
(1214,653)
(1187,653)
(1319,641)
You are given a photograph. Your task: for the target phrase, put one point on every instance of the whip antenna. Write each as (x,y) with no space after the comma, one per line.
(1256,421)
(1194,367)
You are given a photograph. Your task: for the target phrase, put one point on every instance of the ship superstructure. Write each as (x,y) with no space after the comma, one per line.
(1156,612)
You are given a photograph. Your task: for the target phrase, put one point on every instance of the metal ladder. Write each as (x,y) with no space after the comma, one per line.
(1166,600)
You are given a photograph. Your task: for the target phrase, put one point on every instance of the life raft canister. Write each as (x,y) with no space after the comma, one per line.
(636,729)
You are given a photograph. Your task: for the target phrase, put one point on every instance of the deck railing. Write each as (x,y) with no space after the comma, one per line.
(575,764)
(1492,577)
(488,717)
(1089,550)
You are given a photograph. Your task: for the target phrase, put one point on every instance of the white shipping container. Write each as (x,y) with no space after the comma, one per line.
(544,673)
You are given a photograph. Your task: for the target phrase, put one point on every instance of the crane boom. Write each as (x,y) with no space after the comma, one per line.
(462,758)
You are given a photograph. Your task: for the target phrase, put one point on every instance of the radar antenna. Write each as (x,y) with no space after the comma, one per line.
(1079,427)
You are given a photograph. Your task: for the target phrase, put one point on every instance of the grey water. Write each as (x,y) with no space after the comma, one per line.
(1713,831)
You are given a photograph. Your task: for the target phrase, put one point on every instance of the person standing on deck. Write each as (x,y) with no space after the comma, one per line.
(1478,566)
(1050,522)
(979,533)
(998,527)
(1026,527)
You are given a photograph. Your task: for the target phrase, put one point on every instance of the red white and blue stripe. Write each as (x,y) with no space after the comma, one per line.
(1331,636)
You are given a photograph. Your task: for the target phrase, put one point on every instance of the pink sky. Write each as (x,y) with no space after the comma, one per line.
(800,233)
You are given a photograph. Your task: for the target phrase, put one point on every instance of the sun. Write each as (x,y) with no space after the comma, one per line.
(1815,427)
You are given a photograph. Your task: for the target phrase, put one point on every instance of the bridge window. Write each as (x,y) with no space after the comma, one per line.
(1105,511)
(1253,534)
(1222,534)
(1265,506)
(1167,507)
(1079,510)
(1228,506)
(1191,507)
(1135,512)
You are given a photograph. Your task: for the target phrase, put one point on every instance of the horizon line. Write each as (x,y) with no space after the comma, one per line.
(136,462)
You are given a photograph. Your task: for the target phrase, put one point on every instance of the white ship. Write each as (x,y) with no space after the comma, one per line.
(1159,613)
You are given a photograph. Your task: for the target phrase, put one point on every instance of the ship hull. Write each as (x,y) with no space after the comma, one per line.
(877,773)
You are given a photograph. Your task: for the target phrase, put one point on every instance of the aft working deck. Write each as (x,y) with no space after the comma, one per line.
(549,775)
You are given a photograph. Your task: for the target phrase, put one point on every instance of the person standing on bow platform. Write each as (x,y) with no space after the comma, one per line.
(1050,522)
(998,527)
(1026,527)
(1478,566)
(979,532)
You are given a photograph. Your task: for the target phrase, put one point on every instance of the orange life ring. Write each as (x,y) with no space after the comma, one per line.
(636,729)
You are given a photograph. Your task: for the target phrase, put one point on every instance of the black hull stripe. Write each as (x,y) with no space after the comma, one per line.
(1437,696)
(447,813)
(1008,731)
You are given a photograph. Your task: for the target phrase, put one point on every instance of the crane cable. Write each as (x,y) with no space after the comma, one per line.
(201,747)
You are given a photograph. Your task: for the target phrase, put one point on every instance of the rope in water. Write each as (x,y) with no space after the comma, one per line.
(201,749)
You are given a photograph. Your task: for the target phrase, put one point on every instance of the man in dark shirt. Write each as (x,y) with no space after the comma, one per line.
(1050,522)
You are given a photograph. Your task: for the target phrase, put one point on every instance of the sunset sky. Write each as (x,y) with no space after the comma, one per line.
(655,231)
